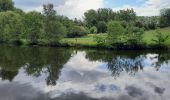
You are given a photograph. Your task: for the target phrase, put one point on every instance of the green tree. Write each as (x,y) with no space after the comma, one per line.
(11,26)
(133,34)
(53,28)
(77,31)
(6,5)
(101,27)
(160,38)
(33,27)
(115,32)
(165,17)
(127,15)
(91,18)
(151,22)
(104,14)
(69,24)
(93,30)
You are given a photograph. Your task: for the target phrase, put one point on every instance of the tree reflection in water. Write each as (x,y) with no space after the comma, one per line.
(129,61)
(34,60)
(39,60)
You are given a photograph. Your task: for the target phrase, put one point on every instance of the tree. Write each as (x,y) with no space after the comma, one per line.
(127,15)
(160,38)
(165,17)
(101,27)
(33,26)
(6,5)
(133,35)
(91,18)
(53,28)
(56,31)
(77,31)
(49,12)
(93,30)
(10,26)
(115,32)
(151,22)
(104,14)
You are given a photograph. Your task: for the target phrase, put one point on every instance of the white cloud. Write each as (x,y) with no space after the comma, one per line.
(76,8)
(70,8)
(149,8)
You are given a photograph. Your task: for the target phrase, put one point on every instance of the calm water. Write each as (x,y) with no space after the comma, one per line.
(34,73)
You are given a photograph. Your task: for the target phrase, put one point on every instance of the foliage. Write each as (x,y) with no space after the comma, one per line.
(101,27)
(54,29)
(127,15)
(91,18)
(89,40)
(100,17)
(49,12)
(101,41)
(160,38)
(33,27)
(115,32)
(165,17)
(77,31)
(93,30)
(134,34)
(68,23)
(6,5)
(147,23)
(123,27)
(10,26)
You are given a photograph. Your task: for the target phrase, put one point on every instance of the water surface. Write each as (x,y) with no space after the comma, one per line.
(40,73)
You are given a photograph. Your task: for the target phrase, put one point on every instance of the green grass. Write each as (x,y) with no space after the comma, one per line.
(149,35)
(85,41)
(89,39)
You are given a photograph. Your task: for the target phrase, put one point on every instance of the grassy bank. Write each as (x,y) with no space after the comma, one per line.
(149,35)
(89,41)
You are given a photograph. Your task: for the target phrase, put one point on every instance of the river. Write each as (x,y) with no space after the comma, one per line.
(42,73)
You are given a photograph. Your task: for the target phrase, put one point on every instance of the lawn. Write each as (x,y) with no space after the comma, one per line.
(89,39)
(149,35)
(86,40)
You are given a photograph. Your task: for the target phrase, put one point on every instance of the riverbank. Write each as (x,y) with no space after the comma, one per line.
(88,41)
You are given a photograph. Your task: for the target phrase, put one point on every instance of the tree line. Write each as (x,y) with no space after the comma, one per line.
(100,18)
(49,28)
(34,27)
(125,29)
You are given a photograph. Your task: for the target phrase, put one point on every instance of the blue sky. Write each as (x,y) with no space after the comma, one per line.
(119,3)
(76,8)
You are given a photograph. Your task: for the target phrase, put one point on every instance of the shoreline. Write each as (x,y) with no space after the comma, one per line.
(123,48)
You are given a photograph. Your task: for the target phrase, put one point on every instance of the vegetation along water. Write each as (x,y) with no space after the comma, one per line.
(44,73)
(102,28)
(47,56)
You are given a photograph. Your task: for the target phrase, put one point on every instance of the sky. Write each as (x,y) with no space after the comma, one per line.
(76,8)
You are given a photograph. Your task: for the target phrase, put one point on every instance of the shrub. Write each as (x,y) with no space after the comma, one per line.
(93,30)
(77,31)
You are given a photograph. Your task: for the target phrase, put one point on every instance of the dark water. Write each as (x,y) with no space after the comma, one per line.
(39,73)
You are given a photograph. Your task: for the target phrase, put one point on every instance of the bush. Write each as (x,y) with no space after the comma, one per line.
(101,27)
(10,26)
(165,17)
(101,41)
(77,31)
(115,32)
(93,30)
(160,38)
(33,25)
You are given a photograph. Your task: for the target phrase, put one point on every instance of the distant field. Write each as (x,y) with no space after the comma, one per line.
(89,39)
(149,35)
